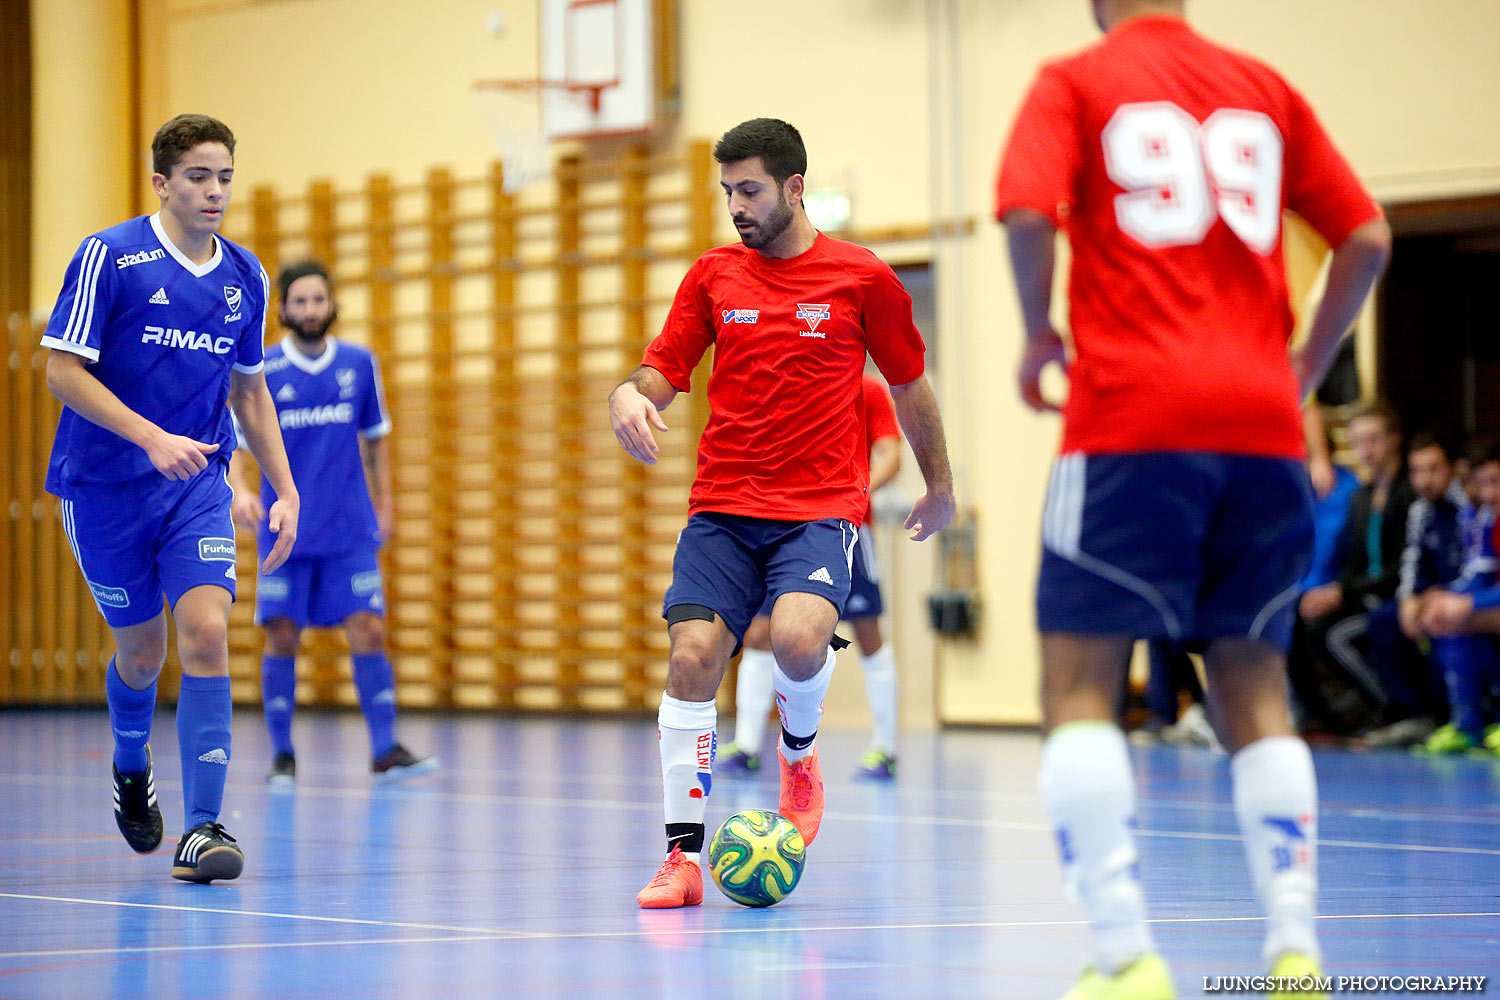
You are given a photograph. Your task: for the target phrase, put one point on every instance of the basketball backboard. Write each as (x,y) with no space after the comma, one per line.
(602,47)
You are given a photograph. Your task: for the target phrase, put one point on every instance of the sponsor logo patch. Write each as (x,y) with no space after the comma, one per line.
(813,313)
(142,257)
(111,597)
(216,549)
(365,583)
(740,315)
(215,756)
(273,588)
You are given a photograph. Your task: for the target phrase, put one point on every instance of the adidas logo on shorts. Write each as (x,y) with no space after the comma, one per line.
(159,298)
(821,575)
(215,756)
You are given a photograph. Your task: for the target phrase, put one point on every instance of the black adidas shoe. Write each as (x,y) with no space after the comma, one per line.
(283,769)
(399,762)
(205,853)
(136,812)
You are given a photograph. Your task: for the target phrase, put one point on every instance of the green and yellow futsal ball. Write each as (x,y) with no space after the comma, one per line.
(757,857)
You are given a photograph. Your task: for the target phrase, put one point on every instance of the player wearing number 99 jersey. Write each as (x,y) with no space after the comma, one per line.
(1179,507)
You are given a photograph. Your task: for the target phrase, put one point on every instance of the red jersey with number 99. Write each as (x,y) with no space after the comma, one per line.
(1169,160)
(785,438)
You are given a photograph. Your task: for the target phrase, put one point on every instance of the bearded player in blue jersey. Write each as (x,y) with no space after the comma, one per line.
(159,324)
(332,413)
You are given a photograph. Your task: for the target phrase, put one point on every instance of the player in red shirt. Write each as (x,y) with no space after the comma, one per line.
(1179,507)
(782,480)
(753,687)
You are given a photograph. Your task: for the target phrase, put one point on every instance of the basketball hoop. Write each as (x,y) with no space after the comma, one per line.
(513,111)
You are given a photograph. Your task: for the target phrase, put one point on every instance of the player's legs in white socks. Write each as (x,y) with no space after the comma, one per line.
(1089,792)
(880,688)
(686,734)
(800,704)
(1276,800)
(754,689)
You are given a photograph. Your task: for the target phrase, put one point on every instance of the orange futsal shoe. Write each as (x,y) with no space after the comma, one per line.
(802,794)
(679,882)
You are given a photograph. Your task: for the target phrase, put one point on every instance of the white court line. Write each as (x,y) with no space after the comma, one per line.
(1031,826)
(496,934)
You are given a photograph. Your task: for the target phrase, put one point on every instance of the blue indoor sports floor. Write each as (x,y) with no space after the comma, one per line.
(513,871)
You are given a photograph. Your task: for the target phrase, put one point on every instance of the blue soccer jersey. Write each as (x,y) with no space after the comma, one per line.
(325,405)
(161,333)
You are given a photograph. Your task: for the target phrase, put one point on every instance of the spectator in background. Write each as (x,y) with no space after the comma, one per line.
(1457,618)
(1335,486)
(1433,558)
(1353,620)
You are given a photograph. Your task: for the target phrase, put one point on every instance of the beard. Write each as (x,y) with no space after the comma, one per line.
(767,232)
(310,329)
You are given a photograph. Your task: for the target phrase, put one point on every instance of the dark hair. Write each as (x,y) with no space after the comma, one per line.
(1426,439)
(301,269)
(1380,410)
(778,145)
(173,140)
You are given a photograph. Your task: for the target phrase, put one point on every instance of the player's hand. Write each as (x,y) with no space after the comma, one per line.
(1320,471)
(246,510)
(631,417)
(283,524)
(932,512)
(1041,350)
(1409,615)
(1446,612)
(1321,600)
(178,457)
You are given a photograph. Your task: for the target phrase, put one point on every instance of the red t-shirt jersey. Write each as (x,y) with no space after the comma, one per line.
(1169,160)
(880,422)
(784,438)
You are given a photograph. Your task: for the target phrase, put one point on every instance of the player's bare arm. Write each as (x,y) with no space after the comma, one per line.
(376,457)
(256,411)
(173,455)
(885,461)
(1032,240)
(917,410)
(246,510)
(1355,265)
(635,407)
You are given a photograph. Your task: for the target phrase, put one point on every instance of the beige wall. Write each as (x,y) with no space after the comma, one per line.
(344,87)
(81,132)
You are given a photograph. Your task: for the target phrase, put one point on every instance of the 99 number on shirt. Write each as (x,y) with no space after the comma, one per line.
(1180,177)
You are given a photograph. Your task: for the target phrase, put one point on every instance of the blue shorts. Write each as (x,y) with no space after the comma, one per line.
(732,564)
(321,591)
(864,583)
(1189,546)
(152,541)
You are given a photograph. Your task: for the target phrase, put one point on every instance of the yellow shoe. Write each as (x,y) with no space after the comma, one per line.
(1297,970)
(1147,978)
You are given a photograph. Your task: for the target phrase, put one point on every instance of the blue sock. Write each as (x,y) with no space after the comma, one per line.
(1465,660)
(278,687)
(203,741)
(130,713)
(376,684)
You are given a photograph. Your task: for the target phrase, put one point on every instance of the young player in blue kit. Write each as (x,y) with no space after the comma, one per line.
(332,413)
(160,324)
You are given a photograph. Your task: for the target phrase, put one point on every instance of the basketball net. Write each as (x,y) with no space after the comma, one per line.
(514,118)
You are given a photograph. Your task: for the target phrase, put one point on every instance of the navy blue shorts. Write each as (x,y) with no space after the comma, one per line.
(731,564)
(864,583)
(1189,546)
(151,541)
(320,590)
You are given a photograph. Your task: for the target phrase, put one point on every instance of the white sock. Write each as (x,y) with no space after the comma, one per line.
(753,692)
(880,687)
(800,704)
(1090,794)
(1276,800)
(686,733)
